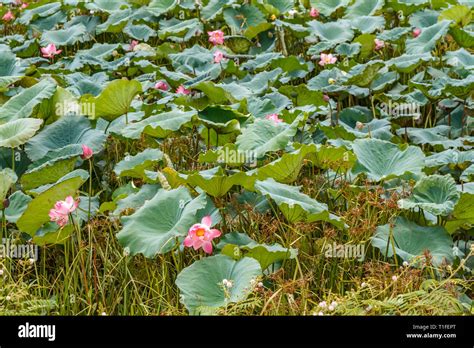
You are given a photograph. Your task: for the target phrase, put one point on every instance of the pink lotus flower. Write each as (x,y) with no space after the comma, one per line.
(416,32)
(379,44)
(132,45)
(162,86)
(62,209)
(7,17)
(201,235)
(326,98)
(327,59)
(24,5)
(274,118)
(182,90)
(218,56)
(86,152)
(216,37)
(314,12)
(50,51)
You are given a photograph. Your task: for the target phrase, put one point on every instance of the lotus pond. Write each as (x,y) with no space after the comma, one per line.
(236,157)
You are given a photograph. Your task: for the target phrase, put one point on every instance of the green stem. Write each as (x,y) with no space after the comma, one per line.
(90,189)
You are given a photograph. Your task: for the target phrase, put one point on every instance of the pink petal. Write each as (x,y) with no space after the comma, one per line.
(214,233)
(188,241)
(207,220)
(207,247)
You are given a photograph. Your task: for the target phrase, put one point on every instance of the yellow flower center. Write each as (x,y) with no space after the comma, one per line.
(200,232)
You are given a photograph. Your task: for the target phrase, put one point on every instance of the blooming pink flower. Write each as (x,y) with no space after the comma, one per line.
(62,209)
(416,32)
(182,90)
(314,12)
(216,37)
(7,17)
(327,59)
(162,86)
(379,44)
(274,118)
(24,5)
(132,45)
(50,51)
(218,56)
(201,235)
(86,152)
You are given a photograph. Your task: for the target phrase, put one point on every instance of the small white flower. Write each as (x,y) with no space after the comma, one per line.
(91,12)
(363,284)
(322,304)
(260,284)
(331,308)
(368,308)
(103,314)
(334,304)
(126,251)
(227,283)
(8,298)
(394,278)
(31,261)
(1,272)
(405,263)
(320,313)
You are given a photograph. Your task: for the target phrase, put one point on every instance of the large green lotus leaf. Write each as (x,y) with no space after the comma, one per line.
(244,17)
(265,254)
(10,70)
(159,126)
(18,203)
(228,154)
(17,132)
(47,173)
(363,74)
(367,44)
(75,173)
(215,181)
(335,32)
(464,37)
(330,157)
(460,58)
(287,167)
(434,136)
(463,214)
(327,7)
(349,50)
(141,32)
(459,14)
(426,42)
(382,160)
(135,166)
(7,179)
(65,136)
(467,174)
(363,8)
(107,5)
(22,105)
(411,240)
(221,118)
(408,62)
(178,30)
(215,8)
(296,206)
(304,96)
(265,135)
(51,234)
(43,11)
(65,37)
(436,194)
(158,7)
(114,101)
(201,284)
(368,24)
(36,214)
(450,156)
(155,227)
(136,199)
(394,34)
